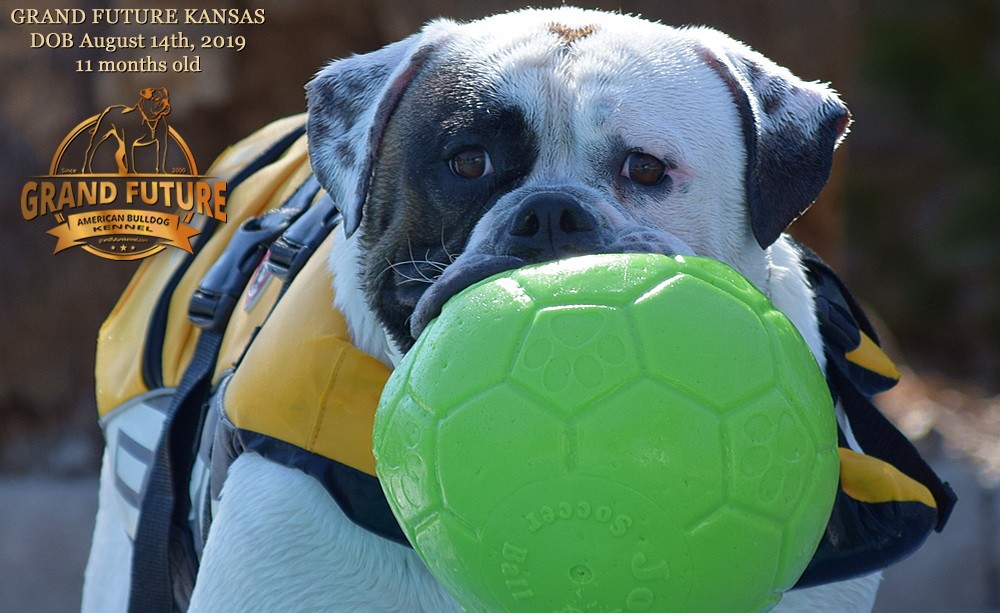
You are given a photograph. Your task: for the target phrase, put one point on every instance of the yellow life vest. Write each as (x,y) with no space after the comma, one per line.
(303,394)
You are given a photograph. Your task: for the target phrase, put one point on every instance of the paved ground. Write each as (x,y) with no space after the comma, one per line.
(45,534)
(44,540)
(957,571)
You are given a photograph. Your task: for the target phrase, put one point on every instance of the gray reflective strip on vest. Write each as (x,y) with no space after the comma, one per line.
(132,431)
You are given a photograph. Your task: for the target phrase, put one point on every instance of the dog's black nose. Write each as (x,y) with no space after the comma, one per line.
(549,225)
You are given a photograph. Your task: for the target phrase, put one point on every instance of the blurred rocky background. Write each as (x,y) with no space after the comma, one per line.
(910,218)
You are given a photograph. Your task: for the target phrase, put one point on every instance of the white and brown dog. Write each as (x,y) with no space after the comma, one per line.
(480,147)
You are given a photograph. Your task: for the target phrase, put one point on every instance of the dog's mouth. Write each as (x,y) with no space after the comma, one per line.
(472,267)
(468,269)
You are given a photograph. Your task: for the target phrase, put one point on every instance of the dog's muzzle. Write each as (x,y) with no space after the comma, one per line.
(545,226)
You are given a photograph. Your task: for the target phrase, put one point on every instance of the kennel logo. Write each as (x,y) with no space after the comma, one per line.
(123,185)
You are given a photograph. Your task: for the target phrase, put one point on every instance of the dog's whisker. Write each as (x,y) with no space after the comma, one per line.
(440,266)
(407,279)
(409,248)
(444,247)
(418,266)
(414,262)
(378,277)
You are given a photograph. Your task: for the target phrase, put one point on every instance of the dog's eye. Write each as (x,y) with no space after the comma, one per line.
(471,163)
(644,169)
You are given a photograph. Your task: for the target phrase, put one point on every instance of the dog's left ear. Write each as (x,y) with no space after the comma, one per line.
(790,127)
(350,101)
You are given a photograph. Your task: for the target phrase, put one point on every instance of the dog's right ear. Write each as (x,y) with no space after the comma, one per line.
(350,101)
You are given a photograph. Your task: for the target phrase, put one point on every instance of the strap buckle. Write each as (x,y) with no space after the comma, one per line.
(213,302)
(293,248)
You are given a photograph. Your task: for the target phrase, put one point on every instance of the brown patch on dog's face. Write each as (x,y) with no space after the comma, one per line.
(568,35)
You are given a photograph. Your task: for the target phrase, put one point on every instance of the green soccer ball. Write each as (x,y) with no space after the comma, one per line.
(611,433)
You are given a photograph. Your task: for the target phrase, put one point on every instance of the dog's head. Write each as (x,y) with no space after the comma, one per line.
(468,149)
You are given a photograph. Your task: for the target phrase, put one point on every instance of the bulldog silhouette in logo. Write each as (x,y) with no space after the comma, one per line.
(139,126)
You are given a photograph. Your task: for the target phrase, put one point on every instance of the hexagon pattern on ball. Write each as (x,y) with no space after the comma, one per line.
(611,433)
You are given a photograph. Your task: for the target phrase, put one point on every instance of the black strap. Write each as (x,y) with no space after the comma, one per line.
(152,357)
(152,587)
(162,568)
(220,289)
(292,250)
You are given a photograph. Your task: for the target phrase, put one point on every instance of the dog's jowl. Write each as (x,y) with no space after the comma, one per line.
(237,386)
